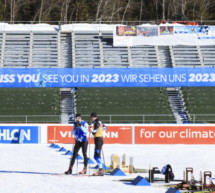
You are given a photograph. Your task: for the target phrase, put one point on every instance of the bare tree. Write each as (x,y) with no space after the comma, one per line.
(176,4)
(126,8)
(106,11)
(183,6)
(141,9)
(64,10)
(77,9)
(169,10)
(99,6)
(11,10)
(72,12)
(113,11)
(44,11)
(41,10)
(194,6)
(15,6)
(156,7)
(110,6)
(163,6)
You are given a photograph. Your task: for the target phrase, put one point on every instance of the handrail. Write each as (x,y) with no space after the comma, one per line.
(113,118)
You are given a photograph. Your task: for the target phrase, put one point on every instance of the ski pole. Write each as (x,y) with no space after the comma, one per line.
(89,122)
(77,166)
(73,148)
(103,159)
(77,154)
(89,154)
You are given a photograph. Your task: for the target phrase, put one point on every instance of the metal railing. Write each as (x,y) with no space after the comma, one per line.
(202,118)
(30,118)
(138,118)
(126,118)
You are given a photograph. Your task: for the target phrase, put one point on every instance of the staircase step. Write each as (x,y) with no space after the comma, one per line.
(67,105)
(176,103)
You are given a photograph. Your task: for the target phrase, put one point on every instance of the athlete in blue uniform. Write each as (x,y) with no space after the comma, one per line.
(80,131)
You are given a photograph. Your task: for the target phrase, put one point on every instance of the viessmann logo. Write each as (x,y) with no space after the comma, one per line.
(113,134)
(10,134)
(107,134)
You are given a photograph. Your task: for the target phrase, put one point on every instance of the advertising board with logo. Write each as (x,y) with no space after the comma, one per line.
(10,134)
(191,134)
(114,134)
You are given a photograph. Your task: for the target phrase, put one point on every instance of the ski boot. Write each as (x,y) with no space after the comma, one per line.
(96,167)
(69,171)
(99,173)
(84,171)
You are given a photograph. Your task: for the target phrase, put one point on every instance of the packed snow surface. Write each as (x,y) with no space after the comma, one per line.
(38,168)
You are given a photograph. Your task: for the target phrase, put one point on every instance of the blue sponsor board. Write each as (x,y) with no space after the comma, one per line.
(10,134)
(107,77)
(211,29)
(185,29)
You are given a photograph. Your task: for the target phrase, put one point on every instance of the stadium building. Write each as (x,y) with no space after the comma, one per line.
(92,46)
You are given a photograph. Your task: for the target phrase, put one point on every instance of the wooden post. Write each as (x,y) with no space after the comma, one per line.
(131,165)
(114,159)
(124,159)
(118,162)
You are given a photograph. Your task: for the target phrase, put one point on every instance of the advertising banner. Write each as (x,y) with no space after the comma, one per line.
(169,35)
(10,134)
(60,134)
(118,134)
(185,29)
(175,134)
(113,134)
(126,31)
(147,31)
(107,77)
(166,30)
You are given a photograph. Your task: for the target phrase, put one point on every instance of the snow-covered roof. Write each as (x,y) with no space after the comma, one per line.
(65,27)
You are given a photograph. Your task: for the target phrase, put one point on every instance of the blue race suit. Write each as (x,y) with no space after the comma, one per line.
(80,131)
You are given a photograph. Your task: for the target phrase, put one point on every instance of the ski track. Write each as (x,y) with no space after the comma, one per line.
(30,168)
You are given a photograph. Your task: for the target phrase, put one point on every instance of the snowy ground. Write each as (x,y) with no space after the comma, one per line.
(30,168)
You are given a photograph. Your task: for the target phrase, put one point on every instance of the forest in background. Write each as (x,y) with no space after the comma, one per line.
(104,10)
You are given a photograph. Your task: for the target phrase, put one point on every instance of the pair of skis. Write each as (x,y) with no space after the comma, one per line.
(185,191)
(75,175)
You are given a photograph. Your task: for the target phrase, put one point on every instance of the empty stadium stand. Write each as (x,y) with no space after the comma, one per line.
(29,49)
(186,56)
(36,103)
(93,49)
(208,55)
(199,103)
(86,49)
(125,103)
